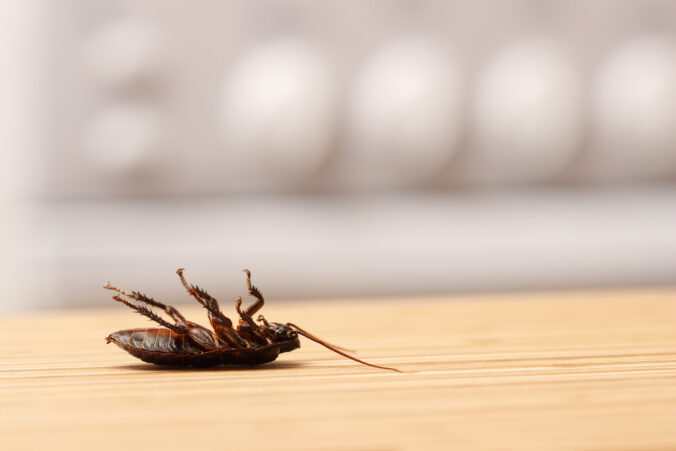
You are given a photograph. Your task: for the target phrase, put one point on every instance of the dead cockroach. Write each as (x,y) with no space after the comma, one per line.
(184,343)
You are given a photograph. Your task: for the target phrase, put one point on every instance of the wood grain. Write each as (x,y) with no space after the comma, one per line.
(593,371)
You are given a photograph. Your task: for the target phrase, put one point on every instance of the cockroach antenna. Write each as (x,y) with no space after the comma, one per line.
(336,349)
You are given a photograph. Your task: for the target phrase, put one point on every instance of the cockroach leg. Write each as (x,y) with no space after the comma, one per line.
(171,311)
(261,319)
(244,316)
(204,298)
(253,291)
(247,327)
(200,296)
(221,324)
(180,328)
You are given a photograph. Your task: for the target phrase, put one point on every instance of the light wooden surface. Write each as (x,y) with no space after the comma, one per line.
(594,371)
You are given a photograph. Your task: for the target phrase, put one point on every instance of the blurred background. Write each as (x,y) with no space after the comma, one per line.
(335,148)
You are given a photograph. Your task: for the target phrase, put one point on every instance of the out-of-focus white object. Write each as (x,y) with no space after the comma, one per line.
(527,113)
(124,137)
(124,52)
(404,113)
(634,111)
(277,112)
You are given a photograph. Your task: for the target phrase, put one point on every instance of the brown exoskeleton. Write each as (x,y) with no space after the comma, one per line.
(184,343)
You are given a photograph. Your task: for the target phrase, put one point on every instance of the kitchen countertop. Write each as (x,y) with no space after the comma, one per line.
(573,370)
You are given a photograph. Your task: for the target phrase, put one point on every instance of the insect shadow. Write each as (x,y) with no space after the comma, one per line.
(228,368)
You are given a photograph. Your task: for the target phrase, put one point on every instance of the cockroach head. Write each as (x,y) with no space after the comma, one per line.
(282,332)
(276,331)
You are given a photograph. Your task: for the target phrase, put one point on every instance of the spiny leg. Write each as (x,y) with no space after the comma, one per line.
(222,324)
(204,298)
(245,317)
(247,327)
(171,311)
(180,328)
(253,291)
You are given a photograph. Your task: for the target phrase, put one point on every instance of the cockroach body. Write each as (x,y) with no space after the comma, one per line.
(184,343)
(165,347)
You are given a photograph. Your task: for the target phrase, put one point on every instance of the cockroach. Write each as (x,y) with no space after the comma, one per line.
(184,343)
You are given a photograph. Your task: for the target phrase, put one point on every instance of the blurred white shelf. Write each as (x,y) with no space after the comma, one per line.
(340,246)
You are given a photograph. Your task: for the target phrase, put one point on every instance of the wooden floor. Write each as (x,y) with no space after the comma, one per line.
(592,371)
